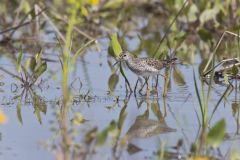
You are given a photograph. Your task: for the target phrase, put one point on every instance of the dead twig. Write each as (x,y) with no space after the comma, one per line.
(215,49)
(21,24)
(51,23)
(10,73)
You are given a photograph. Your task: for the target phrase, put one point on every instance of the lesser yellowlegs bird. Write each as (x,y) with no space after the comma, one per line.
(145,67)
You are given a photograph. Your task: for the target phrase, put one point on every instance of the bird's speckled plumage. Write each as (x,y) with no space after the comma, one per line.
(143,66)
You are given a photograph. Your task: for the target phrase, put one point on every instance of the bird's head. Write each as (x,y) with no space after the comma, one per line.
(125,56)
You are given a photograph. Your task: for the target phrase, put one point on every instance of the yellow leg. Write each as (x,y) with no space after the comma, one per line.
(165,87)
(165,107)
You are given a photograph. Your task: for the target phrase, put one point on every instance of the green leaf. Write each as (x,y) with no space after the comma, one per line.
(179,39)
(32,64)
(113,4)
(225,77)
(38,57)
(40,70)
(192,13)
(37,112)
(122,117)
(39,103)
(111,52)
(115,44)
(19,114)
(204,35)
(102,137)
(216,134)
(112,126)
(113,129)
(78,119)
(19,60)
(112,82)
(209,14)
(26,7)
(39,107)
(234,70)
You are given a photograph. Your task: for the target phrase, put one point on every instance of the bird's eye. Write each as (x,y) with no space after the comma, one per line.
(124,55)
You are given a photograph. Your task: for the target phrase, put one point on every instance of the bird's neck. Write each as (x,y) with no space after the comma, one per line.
(130,61)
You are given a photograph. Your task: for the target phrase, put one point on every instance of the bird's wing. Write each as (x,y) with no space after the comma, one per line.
(155,63)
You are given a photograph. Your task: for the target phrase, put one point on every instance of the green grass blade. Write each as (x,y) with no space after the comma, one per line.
(211,80)
(215,108)
(19,60)
(216,134)
(81,49)
(197,92)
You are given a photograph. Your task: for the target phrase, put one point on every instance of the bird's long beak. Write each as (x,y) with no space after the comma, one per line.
(116,63)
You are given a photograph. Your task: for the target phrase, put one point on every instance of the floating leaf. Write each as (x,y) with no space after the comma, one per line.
(115,44)
(216,134)
(112,82)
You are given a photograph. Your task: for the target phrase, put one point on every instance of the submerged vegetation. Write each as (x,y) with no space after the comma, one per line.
(59,58)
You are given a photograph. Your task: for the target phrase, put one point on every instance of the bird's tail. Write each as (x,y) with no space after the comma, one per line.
(170,61)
